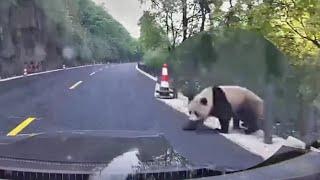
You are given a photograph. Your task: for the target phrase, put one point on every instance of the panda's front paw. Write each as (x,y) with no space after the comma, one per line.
(221,131)
(190,126)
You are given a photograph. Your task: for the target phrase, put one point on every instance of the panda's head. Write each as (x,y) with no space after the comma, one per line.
(200,106)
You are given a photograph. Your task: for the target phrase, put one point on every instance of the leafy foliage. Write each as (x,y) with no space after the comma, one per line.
(153,41)
(152,36)
(292,25)
(156,58)
(90,30)
(180,19)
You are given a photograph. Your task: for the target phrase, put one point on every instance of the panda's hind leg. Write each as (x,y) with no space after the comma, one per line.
(236,123)
(224,125)
(237,116)
(252,125)
(249,120)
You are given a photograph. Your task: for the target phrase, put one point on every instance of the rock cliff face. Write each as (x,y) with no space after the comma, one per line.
(26,38)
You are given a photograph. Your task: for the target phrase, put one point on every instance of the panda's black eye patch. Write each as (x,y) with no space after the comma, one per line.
(190,112)
(204,101)
(195,113)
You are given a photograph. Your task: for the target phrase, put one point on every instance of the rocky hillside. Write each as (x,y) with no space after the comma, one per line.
(47,34)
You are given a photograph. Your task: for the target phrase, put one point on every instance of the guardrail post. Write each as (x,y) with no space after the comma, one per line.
(268,115)
(25,72)
(310,134)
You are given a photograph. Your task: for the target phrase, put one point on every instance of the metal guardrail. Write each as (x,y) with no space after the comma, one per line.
(150,70)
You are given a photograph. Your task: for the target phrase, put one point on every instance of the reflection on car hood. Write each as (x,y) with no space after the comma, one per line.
(89,152)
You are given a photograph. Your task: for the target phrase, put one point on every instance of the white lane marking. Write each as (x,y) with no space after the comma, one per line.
(75,85)
(45,72)
(146,74)
(11,78)
(92,73)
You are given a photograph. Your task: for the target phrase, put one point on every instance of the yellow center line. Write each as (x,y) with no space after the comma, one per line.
(75,85)
(21,126)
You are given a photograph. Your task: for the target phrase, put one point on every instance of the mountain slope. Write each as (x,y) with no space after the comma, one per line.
(51,33)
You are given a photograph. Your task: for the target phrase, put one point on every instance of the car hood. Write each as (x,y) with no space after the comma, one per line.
(104,155)
(89,152)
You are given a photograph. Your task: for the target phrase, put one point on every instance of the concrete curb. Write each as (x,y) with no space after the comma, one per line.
(45,72)
(146,74)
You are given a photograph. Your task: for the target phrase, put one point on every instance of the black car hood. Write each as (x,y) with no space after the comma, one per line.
(89,152)
(104,155)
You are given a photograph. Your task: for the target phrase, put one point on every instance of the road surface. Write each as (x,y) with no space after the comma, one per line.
(108,97)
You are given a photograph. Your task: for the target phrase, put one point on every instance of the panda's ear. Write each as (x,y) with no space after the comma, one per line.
(190,98)
(204,101)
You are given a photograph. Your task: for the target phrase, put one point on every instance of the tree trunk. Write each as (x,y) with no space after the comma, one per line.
(230,2)
(203,16)
(316,42)
(268,118)
(250,18)
(211,24)
(174,34)
(167,24)
(184,19)
(302,117)
(229,14)
(167,29)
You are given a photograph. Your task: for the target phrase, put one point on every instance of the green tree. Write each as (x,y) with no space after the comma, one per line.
(151,34)
(292,25)
(108,37)
(181,19)
(89,29)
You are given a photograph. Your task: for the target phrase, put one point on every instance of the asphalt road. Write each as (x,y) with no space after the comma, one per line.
(115,97)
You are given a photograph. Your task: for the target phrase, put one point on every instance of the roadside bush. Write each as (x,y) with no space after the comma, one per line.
(227,57)
(156,58)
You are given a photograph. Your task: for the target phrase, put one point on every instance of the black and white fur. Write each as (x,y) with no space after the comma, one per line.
(226,102)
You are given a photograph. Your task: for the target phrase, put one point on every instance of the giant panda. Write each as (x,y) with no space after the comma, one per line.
(226,102)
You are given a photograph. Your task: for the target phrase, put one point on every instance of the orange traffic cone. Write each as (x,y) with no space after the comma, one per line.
(163,90)
(164,77)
